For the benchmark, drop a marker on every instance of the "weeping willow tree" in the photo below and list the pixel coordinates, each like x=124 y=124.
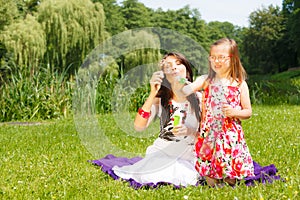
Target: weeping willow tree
x=142 y=47
x=25 y=41
x=73 y=28
x=8 y=12
x=147 y=49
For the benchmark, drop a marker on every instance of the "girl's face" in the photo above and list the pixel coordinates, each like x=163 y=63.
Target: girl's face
x=173 y=69
x=220 y=60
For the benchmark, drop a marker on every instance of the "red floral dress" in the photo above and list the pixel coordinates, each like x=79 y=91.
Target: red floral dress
x=221 y=148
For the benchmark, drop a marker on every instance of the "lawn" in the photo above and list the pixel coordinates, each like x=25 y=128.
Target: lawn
x=48 y=160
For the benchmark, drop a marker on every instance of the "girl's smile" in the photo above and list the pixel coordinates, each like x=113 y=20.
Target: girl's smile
x=220 y=60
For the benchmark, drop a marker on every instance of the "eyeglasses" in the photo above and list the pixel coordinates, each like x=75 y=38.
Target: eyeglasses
x=220 y=58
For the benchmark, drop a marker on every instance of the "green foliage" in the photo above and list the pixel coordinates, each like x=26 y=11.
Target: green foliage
x=282 y=88
x=95 y=84
x=42 y=94
x=8 y=12
x=139 y=97
x=286 y=75
x=185 y=21
x=137 y=15
x=261 y=41
x=291 y=10
x=48 y=160
x=26 y=40
x=144 y=48
x=73 y=28
x=105 y=90
x=114 y=20
x=217 y=30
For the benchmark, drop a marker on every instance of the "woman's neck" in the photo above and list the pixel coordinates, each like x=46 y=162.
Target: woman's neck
x=178 y=96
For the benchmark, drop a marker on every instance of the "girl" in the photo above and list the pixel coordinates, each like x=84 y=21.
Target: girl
x=222 y=152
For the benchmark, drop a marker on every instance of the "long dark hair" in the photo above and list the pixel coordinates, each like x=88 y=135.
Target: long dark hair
x=166 y=94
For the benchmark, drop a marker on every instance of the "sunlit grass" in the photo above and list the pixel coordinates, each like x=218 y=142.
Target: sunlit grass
x=49 y=161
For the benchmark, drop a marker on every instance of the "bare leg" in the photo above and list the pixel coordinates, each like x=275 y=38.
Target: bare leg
x=211 y=181
x=231 y=182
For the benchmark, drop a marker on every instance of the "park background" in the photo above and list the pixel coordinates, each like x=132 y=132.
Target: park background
x=43 y=45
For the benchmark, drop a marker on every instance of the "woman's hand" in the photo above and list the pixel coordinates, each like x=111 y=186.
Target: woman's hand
x=180 y=130
x=183 y=130
x=156 y=80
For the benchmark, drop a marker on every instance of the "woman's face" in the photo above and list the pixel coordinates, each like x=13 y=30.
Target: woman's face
x=173 y=69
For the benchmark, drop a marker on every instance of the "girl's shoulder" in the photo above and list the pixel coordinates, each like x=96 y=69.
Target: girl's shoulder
x=239 y=84
x=243 y=85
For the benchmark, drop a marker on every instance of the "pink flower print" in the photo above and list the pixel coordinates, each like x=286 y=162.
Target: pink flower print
x=215 y=89
x=213 y=104
x=237 y=166
x=219 y=168
x=206 y=151
x=199 y=145
x=235 y=152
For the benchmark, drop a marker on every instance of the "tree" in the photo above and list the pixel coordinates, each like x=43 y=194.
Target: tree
x=8 y=12
x=136 y=14
x=217 y=30
x=291 y=41
x=114 y=20
x=73 y=28
x=185 y=20
x=26 y=41
x=261 y=40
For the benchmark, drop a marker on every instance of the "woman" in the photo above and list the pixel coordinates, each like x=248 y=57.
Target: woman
x=170 y=159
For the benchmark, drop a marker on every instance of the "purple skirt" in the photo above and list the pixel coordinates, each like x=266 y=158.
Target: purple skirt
x=266 y=174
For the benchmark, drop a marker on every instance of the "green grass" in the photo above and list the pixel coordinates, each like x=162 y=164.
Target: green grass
x=277 y=89
x=286 y=75
x=49 y=161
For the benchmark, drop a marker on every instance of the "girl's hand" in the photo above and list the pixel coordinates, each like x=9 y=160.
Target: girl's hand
x=228 y=110
x=156 y=80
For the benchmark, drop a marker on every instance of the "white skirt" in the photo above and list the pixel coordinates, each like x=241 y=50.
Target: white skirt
x=165 y=162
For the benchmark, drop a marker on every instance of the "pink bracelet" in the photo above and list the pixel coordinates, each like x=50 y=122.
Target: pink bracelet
x=144 y=114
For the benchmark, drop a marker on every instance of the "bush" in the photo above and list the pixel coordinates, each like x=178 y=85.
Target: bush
x=282 y=88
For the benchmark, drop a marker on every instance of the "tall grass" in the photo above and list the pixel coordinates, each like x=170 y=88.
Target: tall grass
x=34 y=94
x=49 y=161
x=45 y=94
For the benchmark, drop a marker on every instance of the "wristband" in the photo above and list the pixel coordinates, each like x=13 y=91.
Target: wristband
x=144 y=114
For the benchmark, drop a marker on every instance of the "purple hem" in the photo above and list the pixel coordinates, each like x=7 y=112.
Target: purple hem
x=266 y=174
